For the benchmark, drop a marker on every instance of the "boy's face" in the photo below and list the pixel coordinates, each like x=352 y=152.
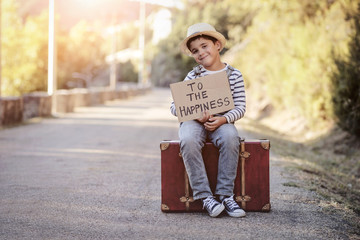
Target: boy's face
x=206 y=53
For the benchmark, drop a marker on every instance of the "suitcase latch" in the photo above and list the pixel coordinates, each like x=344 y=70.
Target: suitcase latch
x=245 y=154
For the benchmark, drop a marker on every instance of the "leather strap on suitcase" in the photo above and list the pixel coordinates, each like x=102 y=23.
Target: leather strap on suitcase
x=243 y=155
x=187 y=199
x=251 y=183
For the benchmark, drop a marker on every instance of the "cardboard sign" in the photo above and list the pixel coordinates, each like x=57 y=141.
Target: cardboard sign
x=211 y=93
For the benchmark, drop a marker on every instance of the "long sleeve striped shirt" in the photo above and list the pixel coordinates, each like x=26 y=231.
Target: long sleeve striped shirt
x=237 y=87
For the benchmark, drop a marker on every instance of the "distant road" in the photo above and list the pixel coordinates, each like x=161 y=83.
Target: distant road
x=95 y=174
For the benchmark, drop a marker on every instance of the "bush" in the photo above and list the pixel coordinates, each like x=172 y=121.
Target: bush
x=346 y=84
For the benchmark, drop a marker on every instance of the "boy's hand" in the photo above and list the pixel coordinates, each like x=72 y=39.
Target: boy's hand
x=205 y=117
x=214 y=122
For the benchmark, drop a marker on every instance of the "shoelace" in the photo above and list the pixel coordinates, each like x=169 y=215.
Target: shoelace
x=209 y=202
x=231 y=203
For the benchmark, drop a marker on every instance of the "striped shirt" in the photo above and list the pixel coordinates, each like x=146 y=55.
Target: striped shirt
x=237 y=87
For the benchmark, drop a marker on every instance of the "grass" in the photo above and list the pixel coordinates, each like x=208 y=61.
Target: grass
x=328 y=163
x=291 y=184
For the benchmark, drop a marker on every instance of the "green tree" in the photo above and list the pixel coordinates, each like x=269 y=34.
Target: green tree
x=288 y=58
x=346 y=83
x=230 y=17
x=80 y=50
x=24 y=49
x=283 y=48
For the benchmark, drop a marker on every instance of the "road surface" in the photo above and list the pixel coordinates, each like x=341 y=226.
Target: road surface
x=95 y=174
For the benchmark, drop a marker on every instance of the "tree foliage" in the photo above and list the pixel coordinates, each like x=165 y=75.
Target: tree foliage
x=81 y=53
x=299 y=56
x=283 y=48
x=24 y=50
x=169 y=65
x=289 y=55
x=346 y=80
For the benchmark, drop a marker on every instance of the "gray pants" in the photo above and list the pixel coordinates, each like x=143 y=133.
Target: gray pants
x=192 y=139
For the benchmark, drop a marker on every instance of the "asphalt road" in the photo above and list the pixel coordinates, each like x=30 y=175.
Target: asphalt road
x=95 y=174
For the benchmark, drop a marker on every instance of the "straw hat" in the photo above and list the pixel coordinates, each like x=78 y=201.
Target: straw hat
x=201 y=29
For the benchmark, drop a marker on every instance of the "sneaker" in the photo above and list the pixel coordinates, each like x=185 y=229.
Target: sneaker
x=232 y=208
x=212 y=206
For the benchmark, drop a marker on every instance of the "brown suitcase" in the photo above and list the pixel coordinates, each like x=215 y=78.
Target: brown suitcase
x=251 y=184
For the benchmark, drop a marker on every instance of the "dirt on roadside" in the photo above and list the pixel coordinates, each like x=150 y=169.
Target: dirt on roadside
x=326 y=162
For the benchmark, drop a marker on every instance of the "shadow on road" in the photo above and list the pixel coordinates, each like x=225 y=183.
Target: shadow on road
x=95 y=173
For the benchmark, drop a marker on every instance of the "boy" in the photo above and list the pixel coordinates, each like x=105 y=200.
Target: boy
x=204 y=44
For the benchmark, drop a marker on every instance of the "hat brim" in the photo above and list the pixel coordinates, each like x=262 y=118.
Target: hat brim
x=217 y=35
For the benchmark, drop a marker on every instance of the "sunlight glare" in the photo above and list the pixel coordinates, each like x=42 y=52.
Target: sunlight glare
x=87 y=3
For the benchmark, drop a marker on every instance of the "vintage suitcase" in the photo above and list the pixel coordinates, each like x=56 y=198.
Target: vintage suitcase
x=251 y=184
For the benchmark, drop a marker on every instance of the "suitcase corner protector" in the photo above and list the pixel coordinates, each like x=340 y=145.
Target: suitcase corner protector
x=265 y=144
x=266 y=208
x=164 y=145
x=164 y=208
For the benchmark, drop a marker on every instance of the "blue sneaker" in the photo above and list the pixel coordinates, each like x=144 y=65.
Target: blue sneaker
x=212 y=206
x=232 y=208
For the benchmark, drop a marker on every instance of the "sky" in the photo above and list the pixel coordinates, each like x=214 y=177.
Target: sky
x=72 y=11
x=106 y=11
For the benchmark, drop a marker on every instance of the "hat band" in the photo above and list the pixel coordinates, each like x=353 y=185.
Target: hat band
x=193 y=34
